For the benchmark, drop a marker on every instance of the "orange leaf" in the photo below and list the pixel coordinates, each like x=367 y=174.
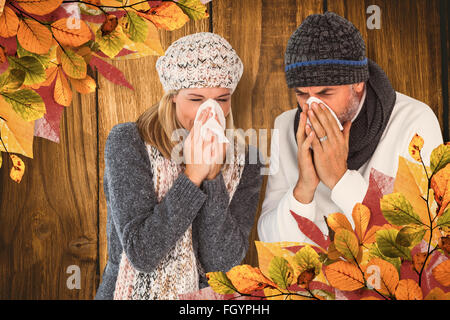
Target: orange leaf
x=34 y=37
x=62 y=93
x=418 y=260
x=408 y=289
x=39 y=7
x=167 y=16
x=50 y=75
x=385 y=278
x=442 y=273
x=9 y=23
x=333 y=253
x=247 y=279
x=361 y=218
x=344 y=276
x=369 y=237
x=440 y=183
x=83 y=86
x=338 y=220
x=2 y=55
x=71 y=32
x=437 y=294
x=18 y=168
x=415 y=146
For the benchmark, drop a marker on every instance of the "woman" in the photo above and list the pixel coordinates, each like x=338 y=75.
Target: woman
x=169 y=222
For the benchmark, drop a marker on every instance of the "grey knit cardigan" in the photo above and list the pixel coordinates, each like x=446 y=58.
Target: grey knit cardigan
x=146 y=230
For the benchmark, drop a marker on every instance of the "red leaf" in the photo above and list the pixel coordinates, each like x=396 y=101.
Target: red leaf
x=10 y=45
x=109 y=72
x=310 y=230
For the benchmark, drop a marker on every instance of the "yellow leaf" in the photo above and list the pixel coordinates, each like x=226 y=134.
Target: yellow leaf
x=415 y=146
x=408 y=289
x=9 y=23
x=385 y=276
x=39 y=7
x=18 y=168
x=112 y=43
x=83 y=86
x=307 y=258
x=17 y=134
x=442 y=273
x=344 y=276
x=338 y=220
x=220 y=283
x=267 y=251
x=167 y=16
x=73 y=64
x=62 y=93
x=142 y=6
x=71 y=32
x=361 y=218
x=247 y=279
x=34 y=37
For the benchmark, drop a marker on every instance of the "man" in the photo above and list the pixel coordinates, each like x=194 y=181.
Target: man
x=321 y=169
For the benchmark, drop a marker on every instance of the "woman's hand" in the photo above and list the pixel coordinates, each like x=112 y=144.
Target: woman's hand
x=218 y=154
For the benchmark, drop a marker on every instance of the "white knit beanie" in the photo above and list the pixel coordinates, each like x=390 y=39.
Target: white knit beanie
x=199 y=60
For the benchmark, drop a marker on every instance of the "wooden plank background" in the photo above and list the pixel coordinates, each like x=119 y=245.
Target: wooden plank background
x=56 y=217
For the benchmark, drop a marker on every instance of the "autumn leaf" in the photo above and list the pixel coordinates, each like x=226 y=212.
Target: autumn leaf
x=386 y=242
x=39 y=7
x=83 y=86
x=34 y=71
x=444 y=244
x=11 y=80
x=281 y=272
x=71 y=32
x=26 y=103
x=50 y=75
x=408 y=289
x=388 y=276
x=361 y=218
x=72 y=64
x=374 y=252
x=43 y=59
x=440 y=183
x=9 y=23
x=418 y=260
x=247 y=279
x=398 y=210
x=344 y=276
x=338 y=220
x=18 y=168
x=167 y=16
x=444 y=219
x=442 y=273
x=333 y=253
x=17 y=133
x=415 y=146
x=34 y=36
x=305 y=278
x=309 y=229
x=437 y=294
x=112 y=43
x=369 y=237
x=109 y=25
x=62 y=93
x=194 y=9
x=220 y=283
x=410 y=235
x=307 y=258
x=347 y=244
x=109 y=72
x=140 y=6
x=440 y=157
x=135 y=27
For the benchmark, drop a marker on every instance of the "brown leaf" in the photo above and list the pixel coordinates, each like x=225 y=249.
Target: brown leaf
x=415 y=146
x=444 y=244
x=306 y=277
x=109 y=25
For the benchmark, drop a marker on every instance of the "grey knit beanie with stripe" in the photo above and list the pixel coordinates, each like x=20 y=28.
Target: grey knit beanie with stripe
x=325 y=50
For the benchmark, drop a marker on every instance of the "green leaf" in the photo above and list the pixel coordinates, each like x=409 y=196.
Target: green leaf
x=389 y=247
x=374 y=252
x=11 y=80
x=194 y=9
x=410 y=235
x=307 y=258
x=44 y=59
x=444 y=219
x=398 y=210
x=26 y=103
x=439 y=158
x=281 y=272
x=34 y=71
x=347 y=244
x=110 y=44
x=220 y=283
x=135 y=27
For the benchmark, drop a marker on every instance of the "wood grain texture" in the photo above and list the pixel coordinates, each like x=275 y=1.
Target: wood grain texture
x=118 y=104
x=407 y=46
x=259 y=32
x=49 y=221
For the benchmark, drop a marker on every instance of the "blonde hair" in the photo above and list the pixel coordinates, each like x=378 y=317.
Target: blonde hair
x=157 y=123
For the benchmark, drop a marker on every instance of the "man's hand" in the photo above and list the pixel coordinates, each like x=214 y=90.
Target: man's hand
x=307 y=179
x=330 y=145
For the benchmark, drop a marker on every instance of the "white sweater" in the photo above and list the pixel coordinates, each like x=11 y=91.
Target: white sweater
x=276 y=223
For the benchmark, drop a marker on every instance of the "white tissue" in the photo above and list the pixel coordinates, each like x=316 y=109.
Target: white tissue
x=218 y=128
x=317 y=100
